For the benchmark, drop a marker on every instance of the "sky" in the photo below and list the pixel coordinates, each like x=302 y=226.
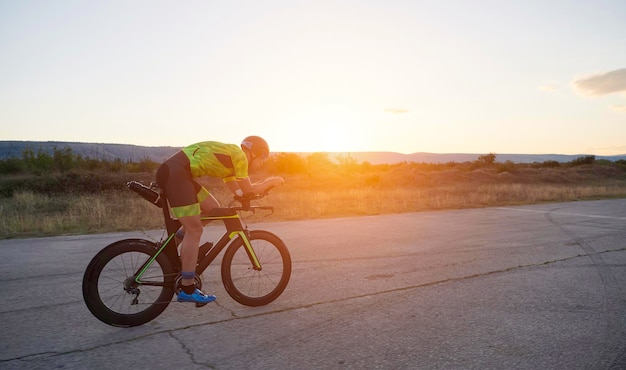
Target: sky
x=440 y=76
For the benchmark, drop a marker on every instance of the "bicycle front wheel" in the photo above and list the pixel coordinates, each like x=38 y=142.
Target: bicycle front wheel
x=111 y=292
x=256 y=287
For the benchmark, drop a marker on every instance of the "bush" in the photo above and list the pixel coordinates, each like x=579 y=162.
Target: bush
x=288 y=163
x=507 y=166
x=11 y=166
x=487 y=159
x=588 y=159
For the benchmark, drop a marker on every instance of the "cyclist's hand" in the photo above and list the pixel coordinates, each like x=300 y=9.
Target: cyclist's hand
x=269 y=183
x=272 y=182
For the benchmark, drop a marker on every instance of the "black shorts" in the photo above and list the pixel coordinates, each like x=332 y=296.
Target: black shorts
x=183 y=193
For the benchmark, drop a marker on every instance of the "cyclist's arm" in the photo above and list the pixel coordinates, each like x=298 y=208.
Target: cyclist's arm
x=246 y=186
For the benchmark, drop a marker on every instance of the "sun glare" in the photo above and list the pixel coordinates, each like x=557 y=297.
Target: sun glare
x=328 y=127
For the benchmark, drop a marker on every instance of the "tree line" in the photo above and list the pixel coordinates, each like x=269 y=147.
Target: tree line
x=64 y=160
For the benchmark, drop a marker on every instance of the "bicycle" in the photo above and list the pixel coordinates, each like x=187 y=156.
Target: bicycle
x=130 y=282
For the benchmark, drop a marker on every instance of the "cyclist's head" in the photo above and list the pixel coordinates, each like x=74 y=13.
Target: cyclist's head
x=257 y=147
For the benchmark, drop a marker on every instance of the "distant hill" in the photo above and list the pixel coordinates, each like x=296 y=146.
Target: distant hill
x=158 y=154
x=390 y=157
x=92 y=150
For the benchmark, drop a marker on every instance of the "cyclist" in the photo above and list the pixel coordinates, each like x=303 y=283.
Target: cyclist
x=188 y=199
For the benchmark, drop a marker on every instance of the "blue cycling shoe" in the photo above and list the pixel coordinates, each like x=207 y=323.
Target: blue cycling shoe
x=196 y=297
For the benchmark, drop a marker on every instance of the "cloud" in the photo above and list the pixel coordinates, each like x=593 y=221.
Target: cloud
x=619 y=108
x=396 y=111
x=602 y=83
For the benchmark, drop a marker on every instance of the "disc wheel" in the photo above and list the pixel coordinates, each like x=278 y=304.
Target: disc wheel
x=111 y=292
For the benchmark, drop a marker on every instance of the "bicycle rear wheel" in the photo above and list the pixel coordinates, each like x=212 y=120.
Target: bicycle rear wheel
x=110 y=290
x=252 y=287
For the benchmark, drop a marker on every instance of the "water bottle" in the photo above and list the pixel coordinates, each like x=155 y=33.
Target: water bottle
x=145 y=192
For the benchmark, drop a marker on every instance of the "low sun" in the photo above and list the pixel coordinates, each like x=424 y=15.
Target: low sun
x=328 y=127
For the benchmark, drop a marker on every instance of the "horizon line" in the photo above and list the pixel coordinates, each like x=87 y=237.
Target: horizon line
x=328 y=152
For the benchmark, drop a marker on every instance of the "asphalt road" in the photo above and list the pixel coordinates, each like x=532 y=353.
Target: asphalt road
x=528 y=287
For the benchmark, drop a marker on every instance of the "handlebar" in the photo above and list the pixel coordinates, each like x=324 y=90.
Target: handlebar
x=245 y=200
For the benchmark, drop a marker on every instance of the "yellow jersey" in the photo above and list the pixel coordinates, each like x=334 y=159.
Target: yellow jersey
x=215 y=159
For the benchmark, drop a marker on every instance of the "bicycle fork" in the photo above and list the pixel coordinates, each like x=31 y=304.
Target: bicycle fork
x=248 y=246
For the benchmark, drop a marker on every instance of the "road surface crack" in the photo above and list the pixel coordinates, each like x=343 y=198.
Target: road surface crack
x=189 y=352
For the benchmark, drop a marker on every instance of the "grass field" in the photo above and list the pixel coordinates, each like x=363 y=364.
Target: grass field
x=323 y=194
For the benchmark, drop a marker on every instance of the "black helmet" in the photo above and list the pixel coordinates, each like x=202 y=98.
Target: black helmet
x=257 y=147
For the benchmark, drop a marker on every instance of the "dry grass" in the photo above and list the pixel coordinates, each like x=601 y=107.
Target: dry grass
x=319 y=196
x=291 y=205
x=30 y=214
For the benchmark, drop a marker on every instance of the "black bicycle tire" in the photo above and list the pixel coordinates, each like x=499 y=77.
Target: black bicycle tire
x=91 y=293
x=227 y=274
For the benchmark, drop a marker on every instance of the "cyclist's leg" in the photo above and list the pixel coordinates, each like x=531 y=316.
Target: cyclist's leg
x=174 y=176
x=189 y=246
x=189 y=259
x=207 y=201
